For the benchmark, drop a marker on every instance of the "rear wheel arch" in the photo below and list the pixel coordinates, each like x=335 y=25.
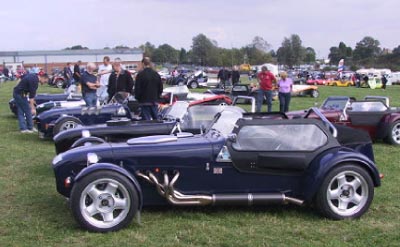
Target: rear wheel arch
x=346 y=191
x=114 y=168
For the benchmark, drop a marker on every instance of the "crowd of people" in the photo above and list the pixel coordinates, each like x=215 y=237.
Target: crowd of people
x=109 y=80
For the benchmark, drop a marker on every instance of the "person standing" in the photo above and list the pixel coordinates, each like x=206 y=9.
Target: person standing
x=68 y=74
x=120 y=80
x=89 y=85
x=6 y=73
x=384 y=81
x=25 y=89
x=265 y=80
x=235 y=75
x=77 y=72
x=285 y=87
x=223 y=77
x=104 y=72
x=148 y=90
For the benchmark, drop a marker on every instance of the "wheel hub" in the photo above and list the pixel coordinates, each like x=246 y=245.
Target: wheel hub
x=105 y=203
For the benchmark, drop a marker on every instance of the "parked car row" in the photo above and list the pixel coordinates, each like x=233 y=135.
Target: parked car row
x=205 y=151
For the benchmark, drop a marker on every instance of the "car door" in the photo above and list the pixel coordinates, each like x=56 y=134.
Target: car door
x=278 y=146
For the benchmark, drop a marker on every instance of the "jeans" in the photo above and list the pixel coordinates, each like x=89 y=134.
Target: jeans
x=260 y=99
x=149 y=112
x=102 y=93
x=90 y=99
x=24 y=112
x=284 y=101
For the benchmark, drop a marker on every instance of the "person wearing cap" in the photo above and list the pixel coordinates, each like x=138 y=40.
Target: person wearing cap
x=148 y=90
x=285 y=87
x=265 y=80
x=104 y=72
x=89 y=85
x=120 y=80
x=26 y=89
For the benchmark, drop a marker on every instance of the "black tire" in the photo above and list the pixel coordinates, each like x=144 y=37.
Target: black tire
x=59 y=83
x=393 y=136
x=193 y=84
x=314 y=93
x=66 y=123
x=81 y=201
x=345 y=192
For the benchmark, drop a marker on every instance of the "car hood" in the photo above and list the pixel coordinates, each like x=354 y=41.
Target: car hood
x=167 y=149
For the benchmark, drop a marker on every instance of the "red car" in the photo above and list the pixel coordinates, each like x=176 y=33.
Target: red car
x=371 y=114
x=316 y=82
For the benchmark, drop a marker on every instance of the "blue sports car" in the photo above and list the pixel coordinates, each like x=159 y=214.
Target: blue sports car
x=241 y=159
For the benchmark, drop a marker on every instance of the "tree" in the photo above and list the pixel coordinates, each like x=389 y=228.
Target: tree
x=366 y=51
x=183 y=56
x=310 y=55
x=77 y=47
x=148 y=49
x=291 y=51
x=121 y=47
x=165 y=53
x=202 y=50
x=340 y=52
x=260 y=44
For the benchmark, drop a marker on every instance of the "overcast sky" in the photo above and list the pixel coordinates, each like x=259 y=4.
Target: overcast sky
x=56 y=24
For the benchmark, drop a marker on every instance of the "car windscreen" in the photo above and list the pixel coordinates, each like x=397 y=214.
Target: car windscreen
x=227 y=120
x=200 y=116
x=177 y=110
x=370 y=106
x=335 y=104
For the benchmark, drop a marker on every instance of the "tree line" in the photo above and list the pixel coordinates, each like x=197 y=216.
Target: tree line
x=206 y=52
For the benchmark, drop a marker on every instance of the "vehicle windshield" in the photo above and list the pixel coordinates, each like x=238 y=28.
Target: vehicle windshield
x=177 y=110
x=226 y=120
x=335 y=104
x=200 y=115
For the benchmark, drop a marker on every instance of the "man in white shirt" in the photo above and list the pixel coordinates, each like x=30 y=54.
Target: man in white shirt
x=104 y=72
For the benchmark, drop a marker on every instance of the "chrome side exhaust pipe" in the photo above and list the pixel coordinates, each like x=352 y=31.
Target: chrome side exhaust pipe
x=174 y=197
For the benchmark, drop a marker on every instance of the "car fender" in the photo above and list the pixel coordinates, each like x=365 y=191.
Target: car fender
x=383 y=128
x=111 y=167
x=66 y=116
x=322 y=166
x=83 y=140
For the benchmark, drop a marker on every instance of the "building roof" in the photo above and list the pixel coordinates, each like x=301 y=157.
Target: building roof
x=71 y=52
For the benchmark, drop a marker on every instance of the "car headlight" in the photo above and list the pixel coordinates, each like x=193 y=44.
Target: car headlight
x=92 y=158
x=86 y=133
x=57 y=159
x=121 y=112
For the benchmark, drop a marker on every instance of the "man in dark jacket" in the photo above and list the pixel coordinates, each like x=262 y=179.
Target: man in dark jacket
x=148 y=90
x=77 y=72
x=223 y=77
x=235 y=75
x=25 y=89
x=68 y=74
x=120 y=80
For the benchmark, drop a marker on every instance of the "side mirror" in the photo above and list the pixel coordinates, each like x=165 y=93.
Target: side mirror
x=232 y=138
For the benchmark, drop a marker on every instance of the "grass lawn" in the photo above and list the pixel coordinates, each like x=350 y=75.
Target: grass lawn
x=34 y=214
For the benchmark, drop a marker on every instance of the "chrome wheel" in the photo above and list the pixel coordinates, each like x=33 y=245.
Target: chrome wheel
x=347 y=193
x=315 y=94
x=104 y=203
x=68 y=125
x=396 y=133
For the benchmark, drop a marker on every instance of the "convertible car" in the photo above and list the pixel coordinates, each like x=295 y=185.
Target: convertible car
x=248 y=90
x=340 y=83
x=242 y=159
x=372 y=114
x=69 y=98
x=52 y=122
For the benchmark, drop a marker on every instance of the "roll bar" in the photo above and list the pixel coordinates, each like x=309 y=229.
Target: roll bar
x=252 y=99
x=328 y=124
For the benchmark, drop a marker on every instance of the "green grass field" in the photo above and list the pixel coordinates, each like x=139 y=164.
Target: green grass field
x=34 y=214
